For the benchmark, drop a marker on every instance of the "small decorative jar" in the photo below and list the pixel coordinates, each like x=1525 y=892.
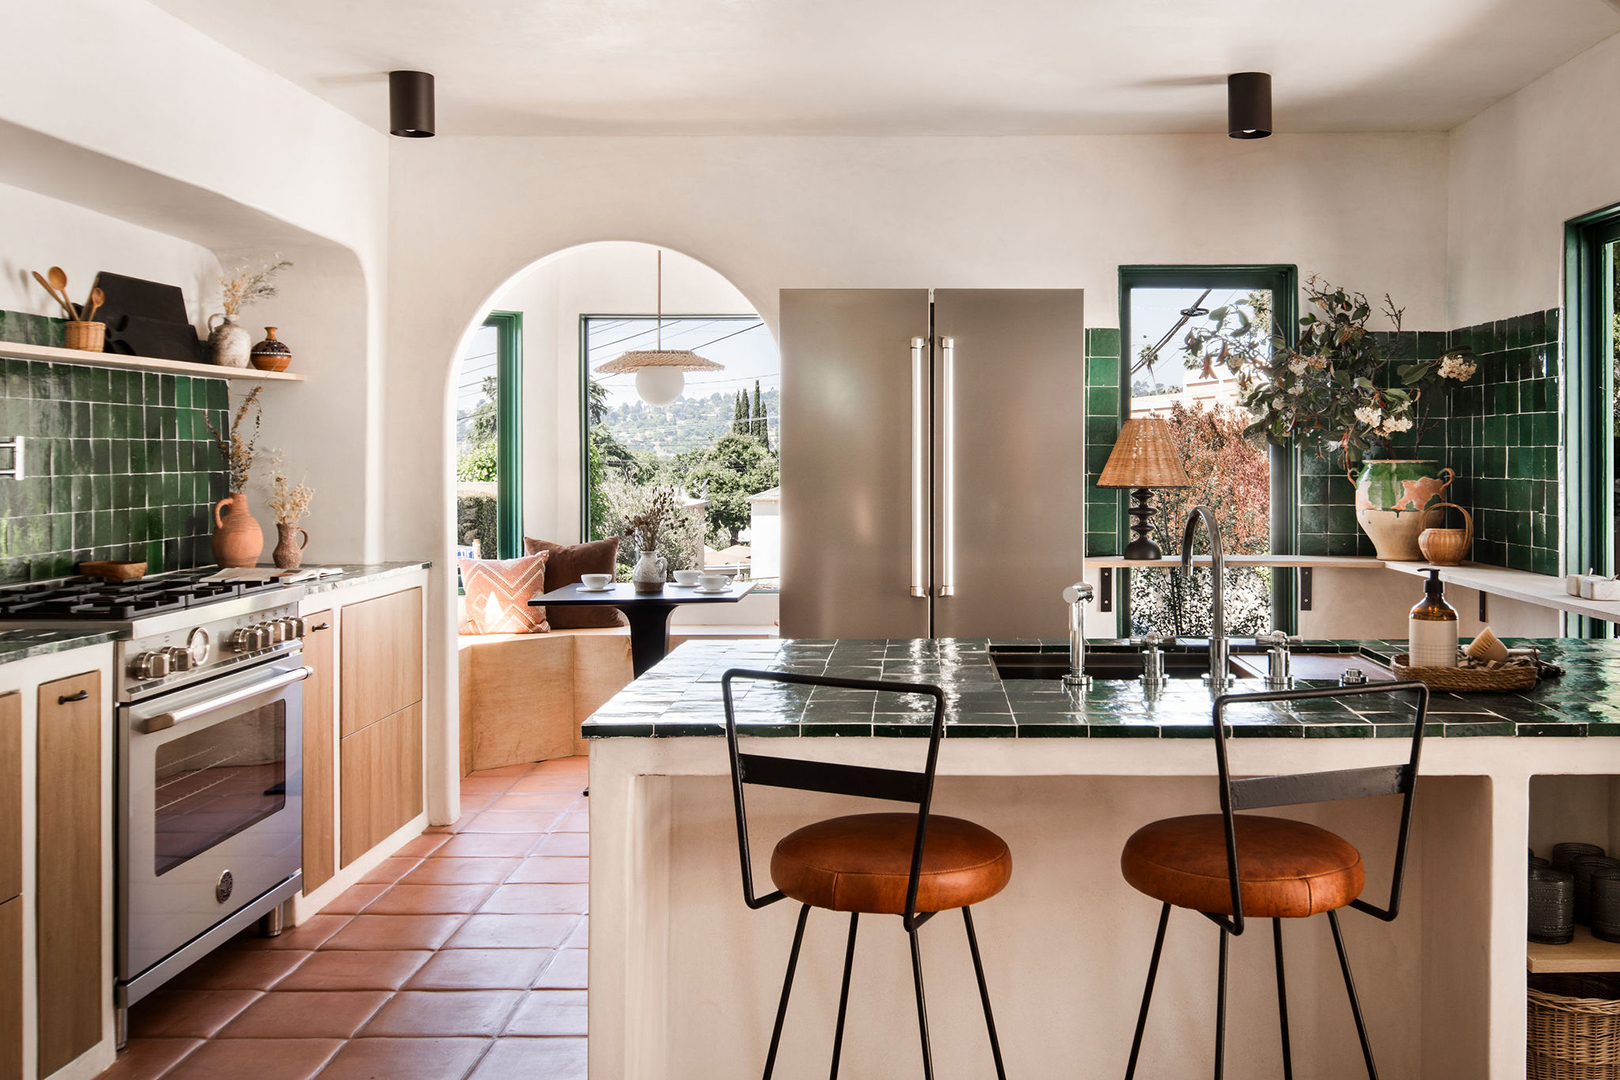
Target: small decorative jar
x=1563 y=855
x=289 y=552
x=1605 y=904
x=1552 y=907
x=1586 y=866
x=229 y=345
x=270 y=354
x=648 y=575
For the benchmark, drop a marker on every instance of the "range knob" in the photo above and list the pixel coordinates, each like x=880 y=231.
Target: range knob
x=244 y=639
x=150 y=665
x=277 y=629
x=295 y=628
x=179 y=658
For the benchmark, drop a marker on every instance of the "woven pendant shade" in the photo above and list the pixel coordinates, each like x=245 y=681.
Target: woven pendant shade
x=1145 y=456
x=684 y=359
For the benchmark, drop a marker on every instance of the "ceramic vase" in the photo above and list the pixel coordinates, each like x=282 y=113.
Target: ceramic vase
x=648 y=575
x=238 y=540
x=229 y=345
x=271 y=354
x=289 y=552
x=1395 y=498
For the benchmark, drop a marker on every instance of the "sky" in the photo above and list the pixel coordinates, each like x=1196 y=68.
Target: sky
x=1153 y=311
x=741 y=343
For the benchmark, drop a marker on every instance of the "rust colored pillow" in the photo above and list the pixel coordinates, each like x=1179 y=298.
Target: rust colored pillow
x=569 y=562
x=498 y=594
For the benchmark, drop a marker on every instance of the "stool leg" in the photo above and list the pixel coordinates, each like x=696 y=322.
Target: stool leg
x=1355 y=1002
x=922 y=1008
x=787 y=988
x=843 y=995
x=1147 y=994
x=1220 y=1009
x=984 y=993
x=1282 y=999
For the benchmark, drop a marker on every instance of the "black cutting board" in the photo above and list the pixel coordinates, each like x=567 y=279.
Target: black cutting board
x=146 y=318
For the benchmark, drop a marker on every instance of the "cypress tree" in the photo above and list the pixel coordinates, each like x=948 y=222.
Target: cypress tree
x=761 y=432
x=739 y=410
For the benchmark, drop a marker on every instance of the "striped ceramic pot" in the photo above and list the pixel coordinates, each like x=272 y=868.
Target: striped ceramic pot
x=1394 y=499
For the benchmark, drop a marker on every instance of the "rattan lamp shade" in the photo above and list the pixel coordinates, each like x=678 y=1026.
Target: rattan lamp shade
x=1145 y=456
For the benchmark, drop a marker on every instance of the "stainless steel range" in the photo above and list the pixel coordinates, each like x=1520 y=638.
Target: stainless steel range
x=209 y=728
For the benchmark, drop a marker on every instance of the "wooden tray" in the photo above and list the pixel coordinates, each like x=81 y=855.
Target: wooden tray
x=1467 y=680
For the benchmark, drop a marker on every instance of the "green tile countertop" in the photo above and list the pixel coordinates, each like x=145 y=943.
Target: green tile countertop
x=681 y=696
x=21 y=644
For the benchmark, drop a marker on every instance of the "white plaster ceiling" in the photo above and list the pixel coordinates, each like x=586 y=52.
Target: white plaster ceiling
x=881 y=67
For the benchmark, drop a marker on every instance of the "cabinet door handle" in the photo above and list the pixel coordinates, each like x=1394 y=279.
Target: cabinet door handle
x=65 y=699
x=919 y=469
x=321 y=626
x=947 y=574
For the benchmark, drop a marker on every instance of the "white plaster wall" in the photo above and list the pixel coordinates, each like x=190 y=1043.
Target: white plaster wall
x=1519 y=170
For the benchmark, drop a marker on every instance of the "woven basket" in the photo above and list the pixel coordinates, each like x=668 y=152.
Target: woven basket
x=1574 y=1028
x=1466 y=680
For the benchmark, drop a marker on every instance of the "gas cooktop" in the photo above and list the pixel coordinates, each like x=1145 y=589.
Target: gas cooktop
x=90 y=600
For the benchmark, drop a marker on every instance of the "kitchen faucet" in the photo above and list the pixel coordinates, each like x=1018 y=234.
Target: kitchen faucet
x=1219 y=678
x=1076 y=596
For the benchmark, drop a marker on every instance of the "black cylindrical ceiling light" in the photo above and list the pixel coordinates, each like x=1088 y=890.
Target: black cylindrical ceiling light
x=410 y=104
x=1248 y=105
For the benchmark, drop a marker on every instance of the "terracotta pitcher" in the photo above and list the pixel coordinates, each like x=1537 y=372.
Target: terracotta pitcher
x=238 y=540
x=289 y=550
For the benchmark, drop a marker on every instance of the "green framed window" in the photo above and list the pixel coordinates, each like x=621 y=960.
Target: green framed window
x=489 y=439
x=1252 y=483
x=1592 y=397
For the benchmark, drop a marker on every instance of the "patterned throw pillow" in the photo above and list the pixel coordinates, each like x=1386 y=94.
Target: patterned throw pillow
x=498 y=594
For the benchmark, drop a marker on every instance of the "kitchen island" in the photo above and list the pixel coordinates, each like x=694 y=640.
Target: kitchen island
x=1065 y=779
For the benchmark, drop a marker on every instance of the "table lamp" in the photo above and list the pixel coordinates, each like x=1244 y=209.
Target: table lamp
x=1143 y=458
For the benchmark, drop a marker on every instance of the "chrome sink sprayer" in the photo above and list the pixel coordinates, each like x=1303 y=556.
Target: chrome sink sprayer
x=1077 y=596
x=1219 y=675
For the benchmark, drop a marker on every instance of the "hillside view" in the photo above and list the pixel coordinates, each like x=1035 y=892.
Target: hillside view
x=686 y=424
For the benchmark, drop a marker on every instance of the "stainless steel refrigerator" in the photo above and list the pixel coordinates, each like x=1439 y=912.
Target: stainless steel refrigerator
x=933 y=461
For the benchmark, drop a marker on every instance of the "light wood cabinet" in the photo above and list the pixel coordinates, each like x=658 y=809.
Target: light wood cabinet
x=11 y=989
x=68 y=839
x=381 y=768
x=11 y=764
x=320 y=752
x=381 y=658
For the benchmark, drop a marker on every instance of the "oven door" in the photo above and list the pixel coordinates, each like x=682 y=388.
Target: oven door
x=211 y=785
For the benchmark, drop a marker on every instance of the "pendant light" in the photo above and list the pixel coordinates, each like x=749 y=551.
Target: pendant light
x=410 y=104
x=1248 y=105
x=658 y=371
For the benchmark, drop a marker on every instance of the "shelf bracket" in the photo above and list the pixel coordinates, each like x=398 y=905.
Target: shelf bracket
x=1105 y=594
x=15 y=470
x=1304 y=588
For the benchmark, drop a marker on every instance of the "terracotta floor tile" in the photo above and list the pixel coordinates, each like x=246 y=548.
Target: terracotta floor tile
x=307 y=935
x=549 y=783
x=414 y=1014
x=567 y=843
x=389 y=871
x=148 y=1059
x=239 y=969
x=566 y=971
x=513 y=932
x=481 y=969
x=514 y=823
x=533 y=1059
x=374 y=969
x=533 y=804
x=451 y=870
x=354 y=899
x=288 y=1014
x=430 y=899
x=520 y=769
x=256 y=1059
x=578 y=821
x=422 y=846
x=487 y=845
x=479 y=784
x=550 y=868
x=549 y=1012
x=533 y=899
x=574 y=766
x=407 y=1059
x=395 y=932
x=187 y=1014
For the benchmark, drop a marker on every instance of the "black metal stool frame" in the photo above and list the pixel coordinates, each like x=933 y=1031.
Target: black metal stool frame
x=837 y=779
x=1293 y=789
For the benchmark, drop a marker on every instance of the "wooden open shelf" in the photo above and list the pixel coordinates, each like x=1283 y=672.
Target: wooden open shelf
x=1585 y=954
x=53 y=355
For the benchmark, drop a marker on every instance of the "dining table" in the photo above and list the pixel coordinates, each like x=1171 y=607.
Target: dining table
x=648 y=612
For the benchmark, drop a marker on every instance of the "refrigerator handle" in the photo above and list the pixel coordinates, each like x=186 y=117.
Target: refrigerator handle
x=947 y=575
x=919 y=469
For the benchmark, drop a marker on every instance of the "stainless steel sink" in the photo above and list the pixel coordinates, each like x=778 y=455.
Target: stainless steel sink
x=1116 y=666
x=1320 y=667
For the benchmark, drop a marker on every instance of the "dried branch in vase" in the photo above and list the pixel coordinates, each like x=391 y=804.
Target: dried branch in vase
x=246 y=285
x=647 y=525
x=288 y=501
x=238 y=449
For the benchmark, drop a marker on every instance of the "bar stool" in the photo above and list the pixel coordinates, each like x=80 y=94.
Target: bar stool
x=905 y=864
x=1225 y=866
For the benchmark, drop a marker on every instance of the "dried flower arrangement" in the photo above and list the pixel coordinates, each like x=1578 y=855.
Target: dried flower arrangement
x=288 y=501
x=246 y=285
x=239 y=451
x=647 y=525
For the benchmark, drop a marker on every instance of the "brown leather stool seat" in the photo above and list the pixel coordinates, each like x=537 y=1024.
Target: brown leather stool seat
x=1286 y=869
x=862 y=863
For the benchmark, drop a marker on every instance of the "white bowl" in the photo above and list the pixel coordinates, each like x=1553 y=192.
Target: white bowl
x=688 y=577
x=596 y=582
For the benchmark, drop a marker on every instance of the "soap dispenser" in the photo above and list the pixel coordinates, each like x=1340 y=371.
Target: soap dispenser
x=1432 y=628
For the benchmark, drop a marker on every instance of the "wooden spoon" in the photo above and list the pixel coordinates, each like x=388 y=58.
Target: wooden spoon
x=55 y=295
x=97 y=298
x=59 y=283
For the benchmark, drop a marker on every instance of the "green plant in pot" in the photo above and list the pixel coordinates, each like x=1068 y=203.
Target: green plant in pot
x=1339 y=389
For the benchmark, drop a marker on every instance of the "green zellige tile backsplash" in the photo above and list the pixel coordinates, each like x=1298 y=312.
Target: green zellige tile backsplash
x=119 y=465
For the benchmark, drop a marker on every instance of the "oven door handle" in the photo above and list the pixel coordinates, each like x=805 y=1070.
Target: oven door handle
x=164 y=721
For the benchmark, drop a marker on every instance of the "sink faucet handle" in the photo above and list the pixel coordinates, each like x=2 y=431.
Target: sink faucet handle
x=1078 y=593
x=1280 y=637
